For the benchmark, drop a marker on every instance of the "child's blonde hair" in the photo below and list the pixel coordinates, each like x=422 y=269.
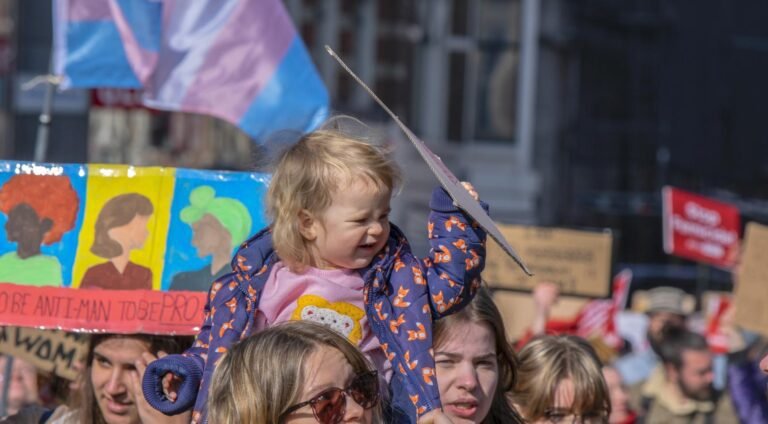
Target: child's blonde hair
x=263 y=375
x=306 y=176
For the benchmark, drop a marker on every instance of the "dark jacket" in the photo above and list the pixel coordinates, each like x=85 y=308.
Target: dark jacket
x=747 y=386
x=402 y=296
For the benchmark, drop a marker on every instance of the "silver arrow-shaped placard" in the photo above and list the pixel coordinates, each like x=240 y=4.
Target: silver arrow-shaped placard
x=458 y=193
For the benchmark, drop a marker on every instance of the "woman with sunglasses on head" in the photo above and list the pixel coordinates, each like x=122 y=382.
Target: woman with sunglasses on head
x=560 y=381
x=296 y=372
x=475 y=364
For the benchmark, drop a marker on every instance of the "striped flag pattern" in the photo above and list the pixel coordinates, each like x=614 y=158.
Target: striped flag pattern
x=598 y=317
x=239 y=60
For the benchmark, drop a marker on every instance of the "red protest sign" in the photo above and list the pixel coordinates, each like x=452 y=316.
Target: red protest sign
x=114 y=311
x=117 y=98
x=699 y=228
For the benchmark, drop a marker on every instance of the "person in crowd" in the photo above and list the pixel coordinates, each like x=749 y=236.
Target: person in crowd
x=476 y=367
x=560 y=380
x=22 y=388
x=684 y=392
x=594 y=322
x=295 y=372
x=331 y=256
x=746 y=384
x=666 y=308
x=620 y=410
x=110 y=390
x=120 y=228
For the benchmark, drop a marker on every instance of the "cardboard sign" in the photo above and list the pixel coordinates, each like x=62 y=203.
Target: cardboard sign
x=751 y=293
x=91 y=229
x=49 y=350
x=578 y=261
x=458 y=193
x=699 y=228
x=517 y=310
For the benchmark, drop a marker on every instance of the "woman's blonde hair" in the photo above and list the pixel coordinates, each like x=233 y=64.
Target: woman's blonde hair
x=545 y=362
x=263 y=375
x=306 y=176
x=481 y=310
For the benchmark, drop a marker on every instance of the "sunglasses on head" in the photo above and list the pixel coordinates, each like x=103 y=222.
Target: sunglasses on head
x=330 y=406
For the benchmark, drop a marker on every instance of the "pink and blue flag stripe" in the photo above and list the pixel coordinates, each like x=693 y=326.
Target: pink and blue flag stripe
x=88 y=49
x=240 y=60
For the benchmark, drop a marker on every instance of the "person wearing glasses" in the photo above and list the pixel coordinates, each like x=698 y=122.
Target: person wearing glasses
x=295 y=372
x=560 y=381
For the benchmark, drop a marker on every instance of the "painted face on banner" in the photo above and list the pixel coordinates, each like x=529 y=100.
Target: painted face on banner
x=131 y=235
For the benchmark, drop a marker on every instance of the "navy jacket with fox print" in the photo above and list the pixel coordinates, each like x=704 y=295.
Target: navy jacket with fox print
x=402 y=296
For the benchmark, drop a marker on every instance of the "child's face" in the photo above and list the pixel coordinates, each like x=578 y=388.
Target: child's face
x=353 y=229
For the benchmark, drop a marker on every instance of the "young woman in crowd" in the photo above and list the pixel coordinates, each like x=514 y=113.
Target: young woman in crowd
x=476 y=367
x=110 y=390
x=620 y=410
x=296 y=372
x=570 y=366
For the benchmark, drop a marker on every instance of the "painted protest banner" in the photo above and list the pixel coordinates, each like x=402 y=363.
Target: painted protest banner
x=750 y=294
x=48 y=350
x=85 y=245
x=578 y=261
x=699 y=228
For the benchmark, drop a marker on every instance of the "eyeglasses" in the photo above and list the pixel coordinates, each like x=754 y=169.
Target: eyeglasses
x=557 y=417
x=330 y=406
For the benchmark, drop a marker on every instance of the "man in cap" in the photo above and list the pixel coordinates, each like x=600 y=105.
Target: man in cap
x=666 y=308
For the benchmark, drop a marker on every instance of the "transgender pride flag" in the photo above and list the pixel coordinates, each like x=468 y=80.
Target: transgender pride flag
x=240 y=60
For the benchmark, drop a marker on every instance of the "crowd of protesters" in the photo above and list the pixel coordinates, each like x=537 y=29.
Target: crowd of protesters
x=427 y=343
x=301 y=371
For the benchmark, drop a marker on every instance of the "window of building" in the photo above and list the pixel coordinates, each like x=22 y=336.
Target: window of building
x=483 y=59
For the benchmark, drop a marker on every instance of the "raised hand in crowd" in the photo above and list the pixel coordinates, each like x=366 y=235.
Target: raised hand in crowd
x=545 y=295
x=148 y=414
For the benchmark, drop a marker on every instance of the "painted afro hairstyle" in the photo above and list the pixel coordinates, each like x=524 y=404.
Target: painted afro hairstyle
x=51 y=196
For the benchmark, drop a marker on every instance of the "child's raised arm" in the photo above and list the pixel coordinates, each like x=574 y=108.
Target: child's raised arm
x=224 y=321
x=457 y=254
x=406 y=301
x=186 y=370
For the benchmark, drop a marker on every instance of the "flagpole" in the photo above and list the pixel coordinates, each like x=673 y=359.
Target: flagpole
x=7 y=376
x=43 y=128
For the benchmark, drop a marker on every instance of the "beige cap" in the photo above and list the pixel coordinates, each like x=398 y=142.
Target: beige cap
x=668 y=299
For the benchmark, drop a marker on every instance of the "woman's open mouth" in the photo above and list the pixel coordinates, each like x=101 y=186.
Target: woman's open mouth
x=465 y=409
